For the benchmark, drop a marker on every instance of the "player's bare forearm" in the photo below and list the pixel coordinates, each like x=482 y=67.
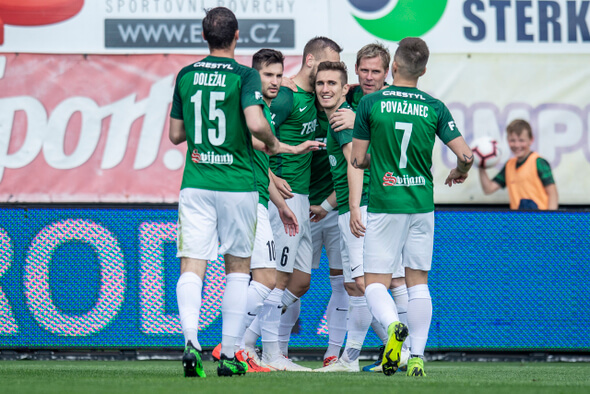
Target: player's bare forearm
x=177 y=133
x=355 y=178
x=488 y=186
x=553 y=197
x=281 y=185
x=260 y=128
x=301 y=149
x=463 y=153
x=359 y=157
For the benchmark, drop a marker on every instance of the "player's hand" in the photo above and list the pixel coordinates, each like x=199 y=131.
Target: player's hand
x=342 y=119
x=357 y=228
x=317 y=213
x=288 y=83
x=455 y=176
x=289 y=221
x=307 y=146
x=283 y=188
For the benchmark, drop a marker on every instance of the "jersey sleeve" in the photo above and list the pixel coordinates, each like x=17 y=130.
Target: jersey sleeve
x=362 y=130
x=446 y=128
x=176 y=111
x=282 y=105
x=544 y=171
x=251 y=88
x=500 y=179
x=342 y=137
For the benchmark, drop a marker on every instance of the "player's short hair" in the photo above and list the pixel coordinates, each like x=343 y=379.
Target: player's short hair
x=219 y=27
x=370 y=51
x=266 y=57
x=317 y=45
x=335 y=66
x=411 y=56
x=519 y=126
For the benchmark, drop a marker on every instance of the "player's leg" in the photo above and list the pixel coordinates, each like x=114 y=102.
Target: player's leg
x=417 y=259
x=237 y=217
x=384 y=238
x=359 y=316
x=196 y=245
x=337 y=309
x=286 y=250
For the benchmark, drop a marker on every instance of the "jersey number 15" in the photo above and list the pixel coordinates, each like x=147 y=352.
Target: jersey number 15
x=216 y=138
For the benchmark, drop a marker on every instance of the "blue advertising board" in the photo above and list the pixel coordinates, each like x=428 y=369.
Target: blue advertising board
x=105 y=277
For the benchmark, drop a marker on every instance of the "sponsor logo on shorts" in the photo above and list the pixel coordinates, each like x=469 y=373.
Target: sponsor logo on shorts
x=211 y=158
x=389 y=179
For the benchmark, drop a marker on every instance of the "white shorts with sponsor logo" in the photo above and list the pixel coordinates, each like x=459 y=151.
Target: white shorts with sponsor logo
x=213 y=222
x=293 y=252
x=352 y=247
x=390 y=235
x=264 y=253
x=326 y=233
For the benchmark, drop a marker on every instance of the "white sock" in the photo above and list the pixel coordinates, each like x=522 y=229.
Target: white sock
x=257 y=293
x=381 y=304
x=269 y=318
x=288 y=320
x=359 y=321
x=289 y=298
x=380 y=331
x=188 y=296
x=337 y=314
x=253 y=332
x=233 y=309
x=419 y=317
x=400 y=297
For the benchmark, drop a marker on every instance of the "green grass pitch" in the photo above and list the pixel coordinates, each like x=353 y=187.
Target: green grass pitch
x=166 y=377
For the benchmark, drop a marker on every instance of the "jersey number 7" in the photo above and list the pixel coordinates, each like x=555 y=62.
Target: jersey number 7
x=407 y=129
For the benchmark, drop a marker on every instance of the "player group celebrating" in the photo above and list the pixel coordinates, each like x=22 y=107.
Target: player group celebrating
x=275 y=173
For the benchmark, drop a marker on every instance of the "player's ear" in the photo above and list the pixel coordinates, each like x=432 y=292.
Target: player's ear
x=237 y=35
x=309 y=60
x=345 y=89
x=423 y=71
x=356 y=69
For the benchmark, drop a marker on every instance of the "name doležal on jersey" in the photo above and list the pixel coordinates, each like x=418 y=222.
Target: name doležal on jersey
x=211 y=158
x=207 y=79
x=389 y=179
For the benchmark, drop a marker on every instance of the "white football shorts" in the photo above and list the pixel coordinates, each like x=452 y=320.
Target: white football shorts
x=352 y=247
x=212 y=222
x=326 y=233
x=264 y=254
x=293 y=252
x=390 y=235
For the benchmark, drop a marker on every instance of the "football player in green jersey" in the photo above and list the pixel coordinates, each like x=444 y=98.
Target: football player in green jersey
x=295 y=119
x=331 y=88
x=217 y=103
x=401 y=123
x=262 y=300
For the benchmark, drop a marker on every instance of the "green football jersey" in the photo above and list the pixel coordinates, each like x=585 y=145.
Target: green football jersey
x=339 y=166
x=401 y=124
x=321 y=184
x=295 y=119
x=209 y=96
x=261 y=165
x=354 y=96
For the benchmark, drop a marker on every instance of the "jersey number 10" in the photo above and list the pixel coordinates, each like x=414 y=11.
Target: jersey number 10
x=216 y=138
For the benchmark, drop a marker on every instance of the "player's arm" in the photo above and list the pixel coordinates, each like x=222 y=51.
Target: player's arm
x=488 y=186
x=355 y=192
x=318 y=212
x=342 y=119
x=287 y=216
x=464 y=161
x=282 y=186
x=359 y=157
x=259 y=127
x=553 y=197
x=177 y=133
